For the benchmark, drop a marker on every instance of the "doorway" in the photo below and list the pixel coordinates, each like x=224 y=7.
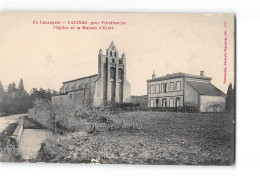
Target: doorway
x=164 y=102
x=157 y=102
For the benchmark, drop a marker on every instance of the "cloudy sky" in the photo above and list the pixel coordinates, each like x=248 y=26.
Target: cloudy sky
x=167 y=43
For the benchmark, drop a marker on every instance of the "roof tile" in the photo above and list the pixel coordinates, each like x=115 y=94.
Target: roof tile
x=206 y=88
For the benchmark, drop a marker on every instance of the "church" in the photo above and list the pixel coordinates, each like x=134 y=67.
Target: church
x=108 y=86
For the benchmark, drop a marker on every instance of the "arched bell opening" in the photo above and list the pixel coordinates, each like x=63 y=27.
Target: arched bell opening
x=113 y=83
x=121 y=84
x=105 y=81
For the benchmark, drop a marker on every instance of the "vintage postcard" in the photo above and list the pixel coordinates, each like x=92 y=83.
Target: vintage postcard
x=117 y=88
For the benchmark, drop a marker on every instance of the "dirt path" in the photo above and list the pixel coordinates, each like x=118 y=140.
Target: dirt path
x=8 y=125
x=7 y=120
x=30 y=142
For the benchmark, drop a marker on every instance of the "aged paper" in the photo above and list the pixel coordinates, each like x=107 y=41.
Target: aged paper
x=117 y=88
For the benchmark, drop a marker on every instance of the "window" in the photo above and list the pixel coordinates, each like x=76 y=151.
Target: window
x=172 y=86
x=70 y=96
x=171 y=102
x=178 y=101
x=111 y=53
x=120 y=73
x=151 y=103
x=152 y=89
x=113 y=60
x=121 y=61
x=164 y=87
x=115 y=54
x=178 y=86
x=112 y=72
x=157 y=88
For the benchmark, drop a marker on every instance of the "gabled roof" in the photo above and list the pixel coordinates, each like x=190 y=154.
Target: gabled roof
x=178 y=75
x=206 y=88
x=112 y=45
x=81 y=78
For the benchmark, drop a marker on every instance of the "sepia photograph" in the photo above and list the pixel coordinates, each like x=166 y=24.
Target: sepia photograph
x=117 y=88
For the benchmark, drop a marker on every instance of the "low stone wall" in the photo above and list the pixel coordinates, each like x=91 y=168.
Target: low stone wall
x=18 y=132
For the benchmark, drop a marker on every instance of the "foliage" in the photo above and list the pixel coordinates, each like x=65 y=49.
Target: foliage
x=42 y=105
x=165 y=138
x=42 y=113
x=9 y=151
x=230 y=99
x=141 y=100
x=17 y=100
x=42 y=94
x=20 y=88
x=2 y=91
x=68 y=117
x=13 y=102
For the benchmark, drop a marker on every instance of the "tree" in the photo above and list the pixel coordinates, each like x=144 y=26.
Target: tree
x=11 y=90
x=2 y=94
x=11 y=87
x=1 y=88
x=230 y=99
x=16 y=100
x=20 y=88
x=44 y=94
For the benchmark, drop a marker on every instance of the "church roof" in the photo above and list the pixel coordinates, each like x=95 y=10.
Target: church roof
x=81 y=78
x=178 y=75
x=206 y=88
x=112 y=44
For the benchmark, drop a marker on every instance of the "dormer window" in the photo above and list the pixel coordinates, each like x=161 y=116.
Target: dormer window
x=113 y=47
x=120 y=61
x=111 y=53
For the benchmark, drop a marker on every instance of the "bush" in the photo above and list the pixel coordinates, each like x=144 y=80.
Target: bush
x=9 y=151
x=71 y=118
x=42 y=113
x=79 y=118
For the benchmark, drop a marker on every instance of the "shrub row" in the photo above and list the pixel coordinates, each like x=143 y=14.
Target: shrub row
x=188 y=109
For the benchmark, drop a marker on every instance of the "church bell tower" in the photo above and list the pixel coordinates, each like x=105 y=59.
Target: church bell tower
x=111 y=68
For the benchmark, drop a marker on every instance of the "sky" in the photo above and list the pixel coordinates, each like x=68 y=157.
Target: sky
x=165 y=43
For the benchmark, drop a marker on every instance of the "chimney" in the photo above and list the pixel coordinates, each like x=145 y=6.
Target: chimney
x=201 y=73
x=154 y=75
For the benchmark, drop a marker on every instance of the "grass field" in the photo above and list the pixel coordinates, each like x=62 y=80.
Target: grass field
x=161 y=138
